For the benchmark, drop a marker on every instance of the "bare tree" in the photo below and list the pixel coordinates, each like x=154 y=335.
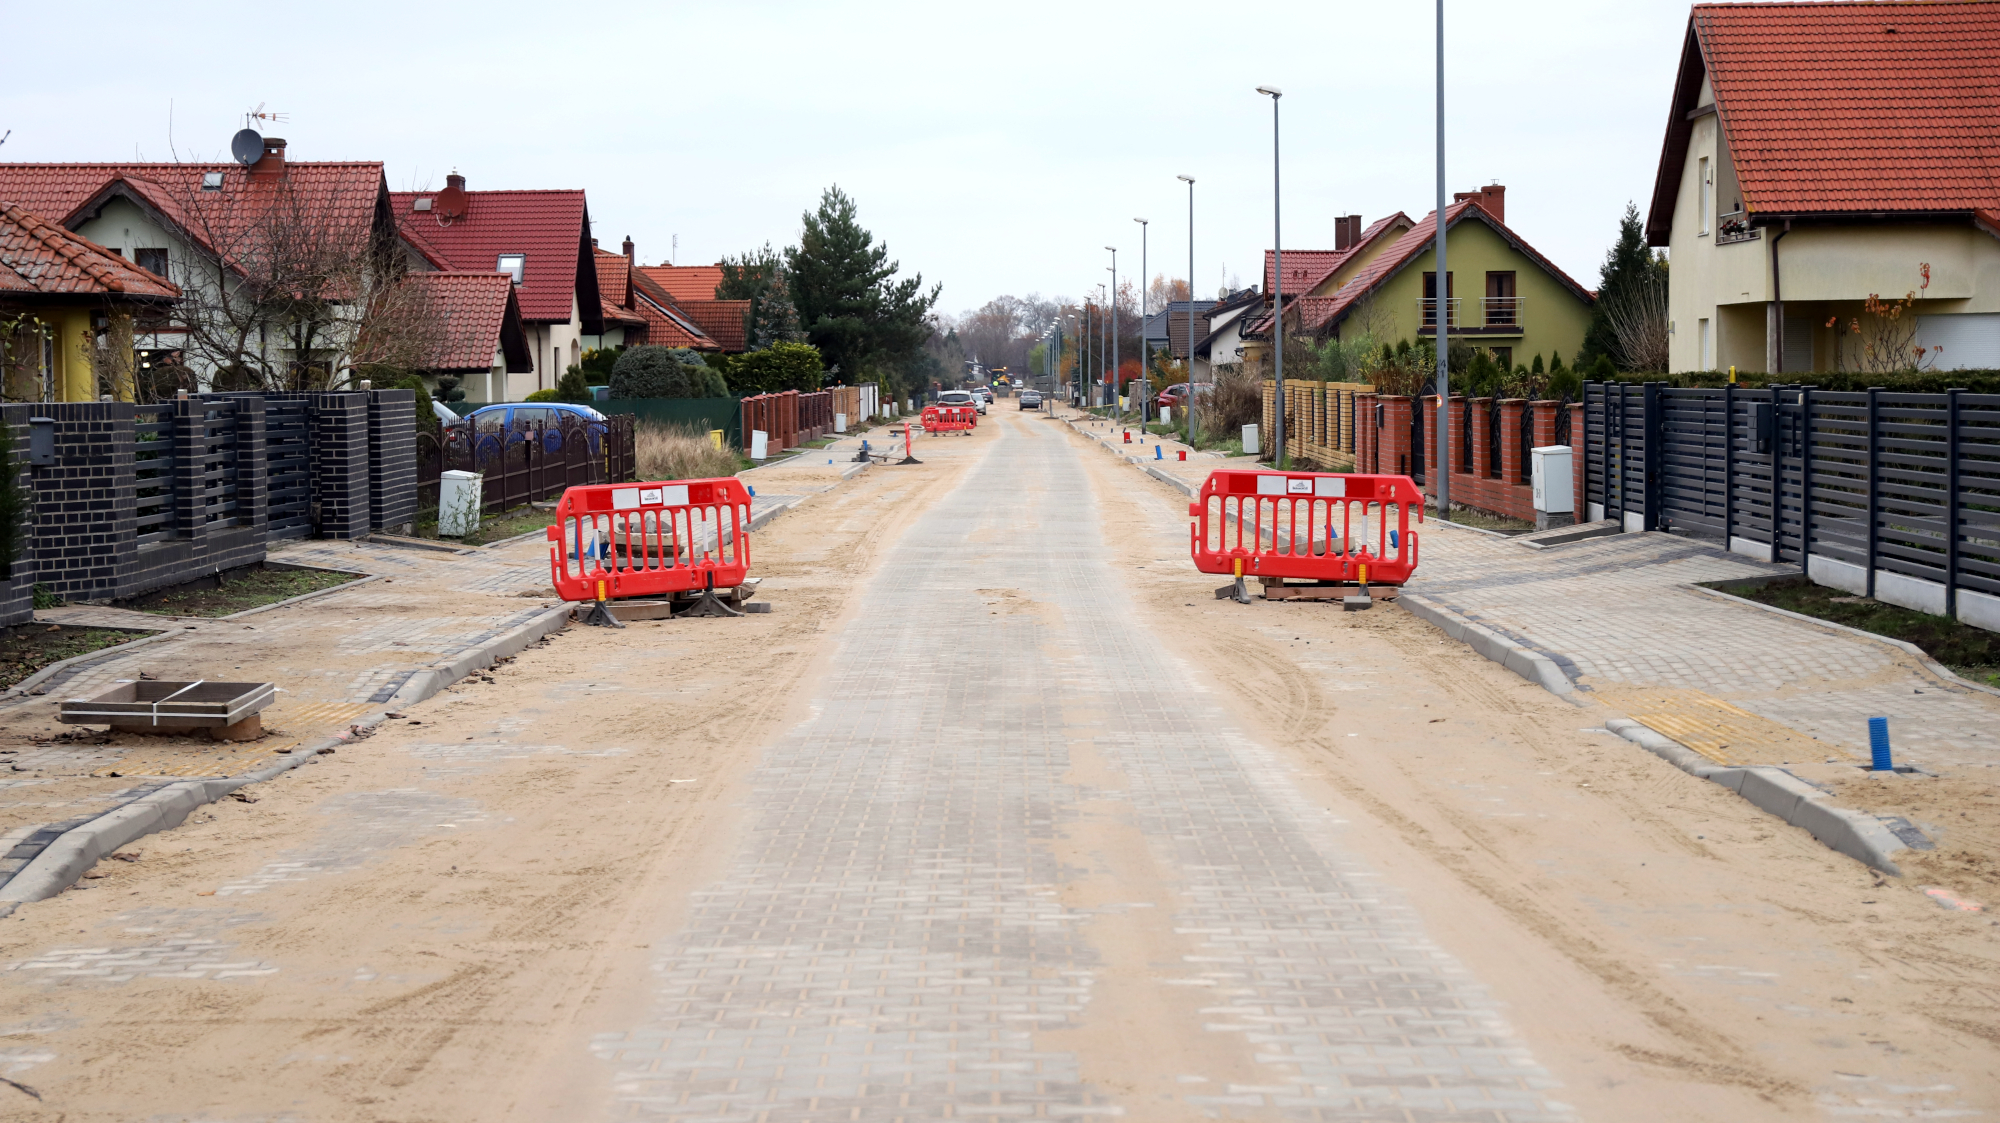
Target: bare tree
x=285 y=289
x=1638 y=319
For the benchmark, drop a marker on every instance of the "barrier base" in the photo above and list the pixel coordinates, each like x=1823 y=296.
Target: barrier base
x=1326 y=592
x=706 y=603
x=598 y=615
x=1237 y=592
x=909 y=460
x=1356 y=604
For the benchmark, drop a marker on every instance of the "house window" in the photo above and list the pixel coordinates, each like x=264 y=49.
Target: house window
x=152 y=261
x=1430 y=300
x=514 y=265
x=1707 y=354
x=1705 y=186
x=1501 y=303
x=211 y=181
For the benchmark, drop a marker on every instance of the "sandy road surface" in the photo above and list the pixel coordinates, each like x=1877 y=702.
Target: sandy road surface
x=997 y=815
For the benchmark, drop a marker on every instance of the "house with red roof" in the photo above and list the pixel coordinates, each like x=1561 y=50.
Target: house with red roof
x=1820 y=154
x=63 y=300
x=540 y=239
x=480 y=337
x=646 y=313
x=1516 y=302
x=693 y=289
x=204 y=225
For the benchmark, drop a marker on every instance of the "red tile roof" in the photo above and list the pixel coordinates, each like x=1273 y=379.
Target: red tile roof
x=39 y=257
x=476 y=309
x=1844 y=107
x=1302 y=267
x=666 y=324
x=347 y=194
x=721 y=320
x=1317 y=313
x=686 y=282
x=613 y=277
x=551 y=227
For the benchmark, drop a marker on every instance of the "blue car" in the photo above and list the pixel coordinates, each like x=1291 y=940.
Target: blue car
x=516 y=419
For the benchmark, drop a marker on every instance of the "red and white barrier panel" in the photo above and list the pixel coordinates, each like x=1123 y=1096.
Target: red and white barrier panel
x=1315 y=526
x=650 y=539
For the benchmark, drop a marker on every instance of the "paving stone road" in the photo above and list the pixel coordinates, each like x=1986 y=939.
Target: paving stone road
x=900 y=936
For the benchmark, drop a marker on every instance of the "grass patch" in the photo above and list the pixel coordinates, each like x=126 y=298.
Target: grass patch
x=676 y=452
x=1971 y=653
x=27 y=648
x=241 y=590
x=492 y=528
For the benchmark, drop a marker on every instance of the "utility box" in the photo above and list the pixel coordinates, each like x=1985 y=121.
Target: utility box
x=1555 y=487
x=460 y=497
x=1250 y=445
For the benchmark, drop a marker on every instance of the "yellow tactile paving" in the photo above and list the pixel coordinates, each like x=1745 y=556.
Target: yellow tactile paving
x=1717 y=730
x=292 y=726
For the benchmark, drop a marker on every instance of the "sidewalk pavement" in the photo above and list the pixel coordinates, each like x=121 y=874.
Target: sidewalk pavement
x=1623 y=619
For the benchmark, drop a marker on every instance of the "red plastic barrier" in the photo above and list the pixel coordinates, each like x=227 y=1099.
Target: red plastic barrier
x=650 y=539
x=950 y=419
x=1323 y=526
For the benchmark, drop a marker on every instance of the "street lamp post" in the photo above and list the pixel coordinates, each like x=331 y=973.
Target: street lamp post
x=1114 y=329
x=1189 y=359
x=1145 y=349
x=1442 y=295
x=1277 y=283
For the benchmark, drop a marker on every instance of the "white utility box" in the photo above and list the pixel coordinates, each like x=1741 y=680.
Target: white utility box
x=759 y=442
x=459 y=499
x=1251 y=447
x=840 y=423
x=1555 y=487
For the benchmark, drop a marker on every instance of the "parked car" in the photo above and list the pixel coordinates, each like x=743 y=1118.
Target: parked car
x=960 y=398
x=513 y=420
x=1031 y=399
x=1176 y=396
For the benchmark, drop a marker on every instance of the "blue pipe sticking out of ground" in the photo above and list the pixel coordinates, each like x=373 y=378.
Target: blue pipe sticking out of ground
x=1878 y=744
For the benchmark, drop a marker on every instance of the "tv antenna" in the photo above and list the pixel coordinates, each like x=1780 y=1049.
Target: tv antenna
x=5 y=135
x=259 y=114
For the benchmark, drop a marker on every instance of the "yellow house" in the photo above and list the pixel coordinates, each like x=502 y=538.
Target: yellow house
x=67 y=307
x=1818 y=156
x=1514 y=302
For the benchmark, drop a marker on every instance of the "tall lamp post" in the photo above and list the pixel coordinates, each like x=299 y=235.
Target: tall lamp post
x=1145 y=348
x=1442 y=295
x=1189 y=360
x=1277 y=281
x=1113 y=379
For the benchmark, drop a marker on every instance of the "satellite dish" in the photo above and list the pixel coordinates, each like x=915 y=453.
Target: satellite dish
x=247 y=146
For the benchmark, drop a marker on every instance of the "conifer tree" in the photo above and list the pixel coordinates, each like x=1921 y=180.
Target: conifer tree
x=777 y=316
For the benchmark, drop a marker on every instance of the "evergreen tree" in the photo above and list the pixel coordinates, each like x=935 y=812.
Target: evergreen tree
x=745 y=277
x=571 y=387
x=777 y=318
x=1536 y=368
x=849 y=301
x=1628 y=262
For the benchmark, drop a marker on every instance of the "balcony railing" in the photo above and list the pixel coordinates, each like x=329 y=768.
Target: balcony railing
x=1495 y=312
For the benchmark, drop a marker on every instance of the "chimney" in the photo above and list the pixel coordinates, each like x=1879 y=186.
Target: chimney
x=272 y=161
x=1346 y=232
x=452 y=180
x=1491 y=198
x=630 y=251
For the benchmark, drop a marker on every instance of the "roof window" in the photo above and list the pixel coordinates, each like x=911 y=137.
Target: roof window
x=512 y=264
x=211 y=181
x=422 y=204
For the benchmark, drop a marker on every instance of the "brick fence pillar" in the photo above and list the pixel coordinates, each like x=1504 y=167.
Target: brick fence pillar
x=1579 y=442
x=1482 y=432
x=1513 y=458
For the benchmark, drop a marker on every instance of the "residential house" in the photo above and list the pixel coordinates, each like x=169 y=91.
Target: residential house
x=693 y=289
x=541 y=239
x=65 y=301
x=481 y=337
x=1818 y=155
x=204 y=226
x=623 y=325
x=1167 y=329
x=1387 y=290
x=1223 y=343
x=1311 y=275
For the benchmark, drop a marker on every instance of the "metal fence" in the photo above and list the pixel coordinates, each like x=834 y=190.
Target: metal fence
x=534 y=461
x=1885 y=482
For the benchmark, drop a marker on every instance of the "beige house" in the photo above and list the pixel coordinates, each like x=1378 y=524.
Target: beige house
x=1818 y=156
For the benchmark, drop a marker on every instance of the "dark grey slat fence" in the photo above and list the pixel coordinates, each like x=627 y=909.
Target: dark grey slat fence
x=1888 y=483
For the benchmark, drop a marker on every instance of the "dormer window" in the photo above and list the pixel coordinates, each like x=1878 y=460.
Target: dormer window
x=211 y=181
x=513 y=264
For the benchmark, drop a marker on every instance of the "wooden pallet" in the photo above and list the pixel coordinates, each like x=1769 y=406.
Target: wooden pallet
x=1328 y=592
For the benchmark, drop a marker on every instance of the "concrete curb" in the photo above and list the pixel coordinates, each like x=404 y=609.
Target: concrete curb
x=1531 y=665
x=66 y=859
x=1856 y=834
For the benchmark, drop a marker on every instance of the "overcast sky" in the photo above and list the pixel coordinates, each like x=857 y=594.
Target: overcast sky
x=996 y=148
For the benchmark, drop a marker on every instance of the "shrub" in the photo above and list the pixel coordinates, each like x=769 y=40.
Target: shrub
x=572 y=388
x=545 y=395
x=1236 y=401
x=677 y=452
x=779 y=367
x=664 y=372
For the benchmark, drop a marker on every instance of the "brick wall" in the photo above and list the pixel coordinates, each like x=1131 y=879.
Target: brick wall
x=392 y=458
x=340 y=463
x=1385 y=448
x=17 y=590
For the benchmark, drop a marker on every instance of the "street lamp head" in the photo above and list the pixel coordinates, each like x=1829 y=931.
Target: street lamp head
x=1271 y=91
x=1140 y=221
x=1113 y=249
x=1187 y=179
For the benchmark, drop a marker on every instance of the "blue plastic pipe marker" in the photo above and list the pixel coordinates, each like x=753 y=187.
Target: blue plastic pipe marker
x=1156 y=453
x=1878 y=744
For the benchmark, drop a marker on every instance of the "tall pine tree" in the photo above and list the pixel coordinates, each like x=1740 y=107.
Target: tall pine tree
x=850 y=303
x=1628 y=263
